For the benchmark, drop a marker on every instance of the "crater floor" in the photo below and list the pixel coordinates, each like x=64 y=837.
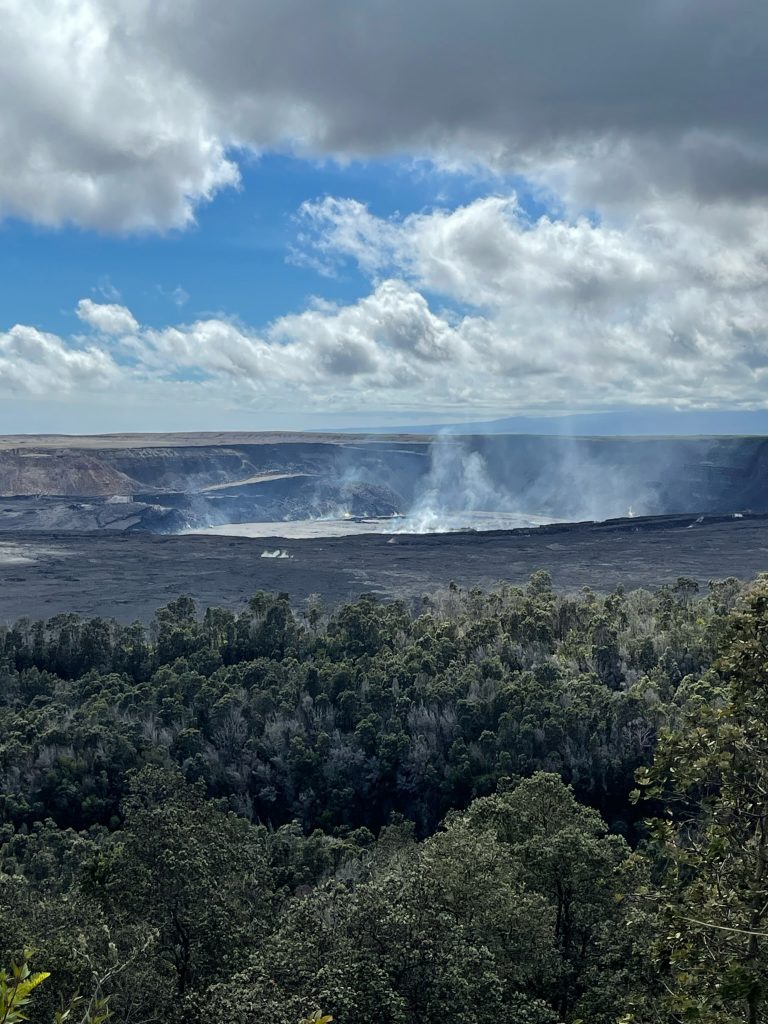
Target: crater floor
x=128 y=576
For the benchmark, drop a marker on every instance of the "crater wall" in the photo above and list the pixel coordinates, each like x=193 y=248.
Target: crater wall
x=167 y=483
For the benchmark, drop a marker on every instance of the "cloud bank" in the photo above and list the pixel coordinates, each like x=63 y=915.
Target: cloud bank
x=125 y=114
x=477 y=308
x=641 y=126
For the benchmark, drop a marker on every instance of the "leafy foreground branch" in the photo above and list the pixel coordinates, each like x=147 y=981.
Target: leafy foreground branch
x=17 y=986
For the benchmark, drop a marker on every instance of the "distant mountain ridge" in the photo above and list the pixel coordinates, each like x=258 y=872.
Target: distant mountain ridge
x=632 y=423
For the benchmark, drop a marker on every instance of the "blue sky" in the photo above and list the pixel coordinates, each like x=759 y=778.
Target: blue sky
x=234 y=261
x=293 y=217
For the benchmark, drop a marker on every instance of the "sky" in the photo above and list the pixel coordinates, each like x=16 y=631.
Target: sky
x=279 y=214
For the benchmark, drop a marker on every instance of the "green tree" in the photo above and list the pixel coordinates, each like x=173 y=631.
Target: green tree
x=564 y=854
x=711 y=770
x=195 y=874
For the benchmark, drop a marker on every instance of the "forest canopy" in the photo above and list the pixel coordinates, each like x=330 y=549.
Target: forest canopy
x=509 y=805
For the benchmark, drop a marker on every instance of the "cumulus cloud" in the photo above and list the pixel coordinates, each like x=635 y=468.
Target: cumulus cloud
x=123 y=114
x=489 y=255
x=35 y=363
x=643 y=125
x=94 y=130
x=384 y=341
x=671 y=307
x=477 y=309
x=107 y=317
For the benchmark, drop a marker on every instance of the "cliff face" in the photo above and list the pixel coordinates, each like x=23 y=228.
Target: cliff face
x=106 y=471
x=94 y=472
x=59 y=472
x=567 y=478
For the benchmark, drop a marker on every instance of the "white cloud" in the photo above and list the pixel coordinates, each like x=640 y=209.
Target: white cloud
x=125 y=114
x=106 y=289
x=107 y=317
x=94 y=128
x=673 y=307
x=35 y=363
x=471 y=310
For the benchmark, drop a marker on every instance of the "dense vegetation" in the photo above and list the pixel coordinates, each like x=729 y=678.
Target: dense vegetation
x=388 y=814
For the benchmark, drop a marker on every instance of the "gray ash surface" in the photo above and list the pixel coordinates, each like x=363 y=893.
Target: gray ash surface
x=128 y=575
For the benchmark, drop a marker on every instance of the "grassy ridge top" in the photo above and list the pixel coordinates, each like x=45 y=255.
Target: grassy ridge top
x=224 y=438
